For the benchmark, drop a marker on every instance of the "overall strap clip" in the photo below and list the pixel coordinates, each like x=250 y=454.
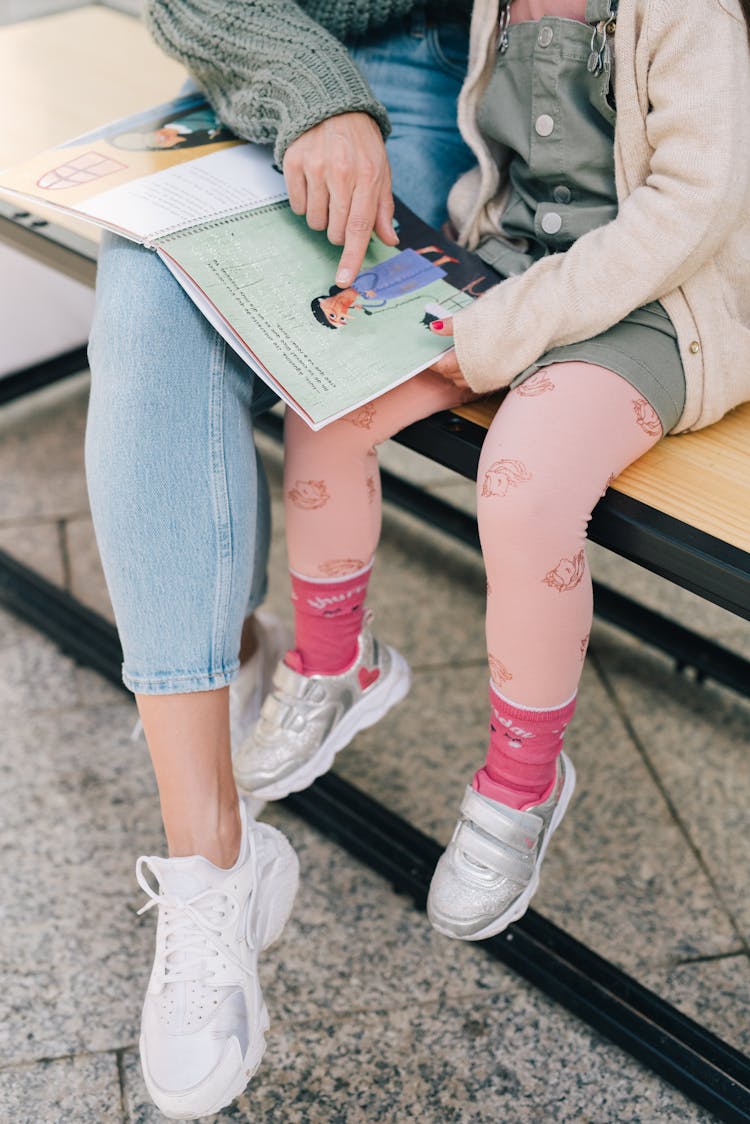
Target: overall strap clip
x=603 y=16
x=503 y=20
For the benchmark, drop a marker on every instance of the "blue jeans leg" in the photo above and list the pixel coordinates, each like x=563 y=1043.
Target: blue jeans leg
x=177 y=495
x=178 y=500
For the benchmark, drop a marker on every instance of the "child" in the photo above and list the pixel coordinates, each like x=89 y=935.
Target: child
x=615 y=200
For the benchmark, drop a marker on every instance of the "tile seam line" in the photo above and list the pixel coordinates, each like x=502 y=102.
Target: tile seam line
x=711 y=958
x=71 y=1055
x=670 y=805
x=120 y=1063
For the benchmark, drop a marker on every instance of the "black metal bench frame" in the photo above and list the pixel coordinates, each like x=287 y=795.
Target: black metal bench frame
x=711 y=1072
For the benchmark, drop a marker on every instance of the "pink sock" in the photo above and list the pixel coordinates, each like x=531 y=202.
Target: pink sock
x=525 y=743
x=328 y=616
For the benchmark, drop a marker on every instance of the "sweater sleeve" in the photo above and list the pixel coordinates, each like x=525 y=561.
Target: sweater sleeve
x=665 y=230
x=269 y=70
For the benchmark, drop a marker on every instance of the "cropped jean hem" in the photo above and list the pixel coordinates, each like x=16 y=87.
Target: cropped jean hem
x=179 y=682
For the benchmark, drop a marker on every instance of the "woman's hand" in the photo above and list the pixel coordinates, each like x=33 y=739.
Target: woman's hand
x=447 y=365
x=338 y=176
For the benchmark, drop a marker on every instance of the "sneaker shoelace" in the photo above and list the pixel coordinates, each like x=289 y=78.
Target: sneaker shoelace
x=192 y=927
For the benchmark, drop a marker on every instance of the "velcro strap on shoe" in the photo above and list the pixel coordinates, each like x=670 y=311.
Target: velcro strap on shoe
x=491 y=853
x=519 y=830
x=289 y=681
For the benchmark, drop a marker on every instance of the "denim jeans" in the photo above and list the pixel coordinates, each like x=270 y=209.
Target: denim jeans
x=178 y=494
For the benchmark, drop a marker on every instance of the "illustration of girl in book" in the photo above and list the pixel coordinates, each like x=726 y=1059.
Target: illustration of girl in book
x=405 y=272
x=189 y=129
x=196 y=127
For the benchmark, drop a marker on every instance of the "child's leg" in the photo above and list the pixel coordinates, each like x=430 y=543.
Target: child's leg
x=339 y=679
x=333 y=514
x=554 y=446
x=547 y=459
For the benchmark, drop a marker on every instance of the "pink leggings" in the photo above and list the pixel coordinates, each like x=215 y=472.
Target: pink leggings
x=555 y=444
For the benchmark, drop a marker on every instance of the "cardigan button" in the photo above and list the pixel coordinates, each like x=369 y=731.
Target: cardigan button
x=694 y=347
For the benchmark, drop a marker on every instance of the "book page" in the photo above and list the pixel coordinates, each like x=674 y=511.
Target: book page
x=222 y=183
x=269 y=277
x=172 y=166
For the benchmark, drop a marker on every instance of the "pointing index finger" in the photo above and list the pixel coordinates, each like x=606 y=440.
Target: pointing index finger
x=359 y=228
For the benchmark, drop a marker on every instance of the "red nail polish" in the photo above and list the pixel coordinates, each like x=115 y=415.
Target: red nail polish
x=437 y=325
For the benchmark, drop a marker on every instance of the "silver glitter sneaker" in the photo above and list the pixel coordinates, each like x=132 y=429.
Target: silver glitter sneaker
x=489 y=871
x=307 y=719
x=253 y=681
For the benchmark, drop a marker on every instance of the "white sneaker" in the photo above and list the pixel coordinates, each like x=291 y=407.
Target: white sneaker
x=204 y=1019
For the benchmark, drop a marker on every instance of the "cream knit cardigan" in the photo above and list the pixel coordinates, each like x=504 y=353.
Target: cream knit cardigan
x=682 y=232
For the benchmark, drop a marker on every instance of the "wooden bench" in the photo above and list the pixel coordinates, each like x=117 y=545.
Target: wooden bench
x=683 y=511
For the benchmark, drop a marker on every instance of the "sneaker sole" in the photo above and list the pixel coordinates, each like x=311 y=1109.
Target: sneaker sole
x=234 y=1087
x=516 y=911
x=282 y=871
x=369 y=710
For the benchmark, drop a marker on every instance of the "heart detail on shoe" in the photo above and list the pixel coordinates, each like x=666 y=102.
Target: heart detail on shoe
x=367 y=676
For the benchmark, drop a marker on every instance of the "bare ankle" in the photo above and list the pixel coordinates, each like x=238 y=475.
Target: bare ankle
x=217 y=836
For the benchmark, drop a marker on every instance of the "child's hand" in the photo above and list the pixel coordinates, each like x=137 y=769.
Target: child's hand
x=447 y=365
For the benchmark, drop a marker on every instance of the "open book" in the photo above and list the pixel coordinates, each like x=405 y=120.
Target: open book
x=214 y=208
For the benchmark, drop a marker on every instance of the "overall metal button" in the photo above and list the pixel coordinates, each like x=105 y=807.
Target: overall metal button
x=545 y=37
x=562 y=193
x=544 y=124
x=551 y=222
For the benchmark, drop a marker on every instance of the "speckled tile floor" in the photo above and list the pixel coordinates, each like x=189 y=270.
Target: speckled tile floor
x=374 y=1017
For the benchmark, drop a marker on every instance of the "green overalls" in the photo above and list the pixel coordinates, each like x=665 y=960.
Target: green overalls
x=550 y=102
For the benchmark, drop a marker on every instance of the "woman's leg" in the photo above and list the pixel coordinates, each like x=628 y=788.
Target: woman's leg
x=555 y=444
x=178 y=512
x=175 y=491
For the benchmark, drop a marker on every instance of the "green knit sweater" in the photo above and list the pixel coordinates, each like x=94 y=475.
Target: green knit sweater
x=274 y=68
